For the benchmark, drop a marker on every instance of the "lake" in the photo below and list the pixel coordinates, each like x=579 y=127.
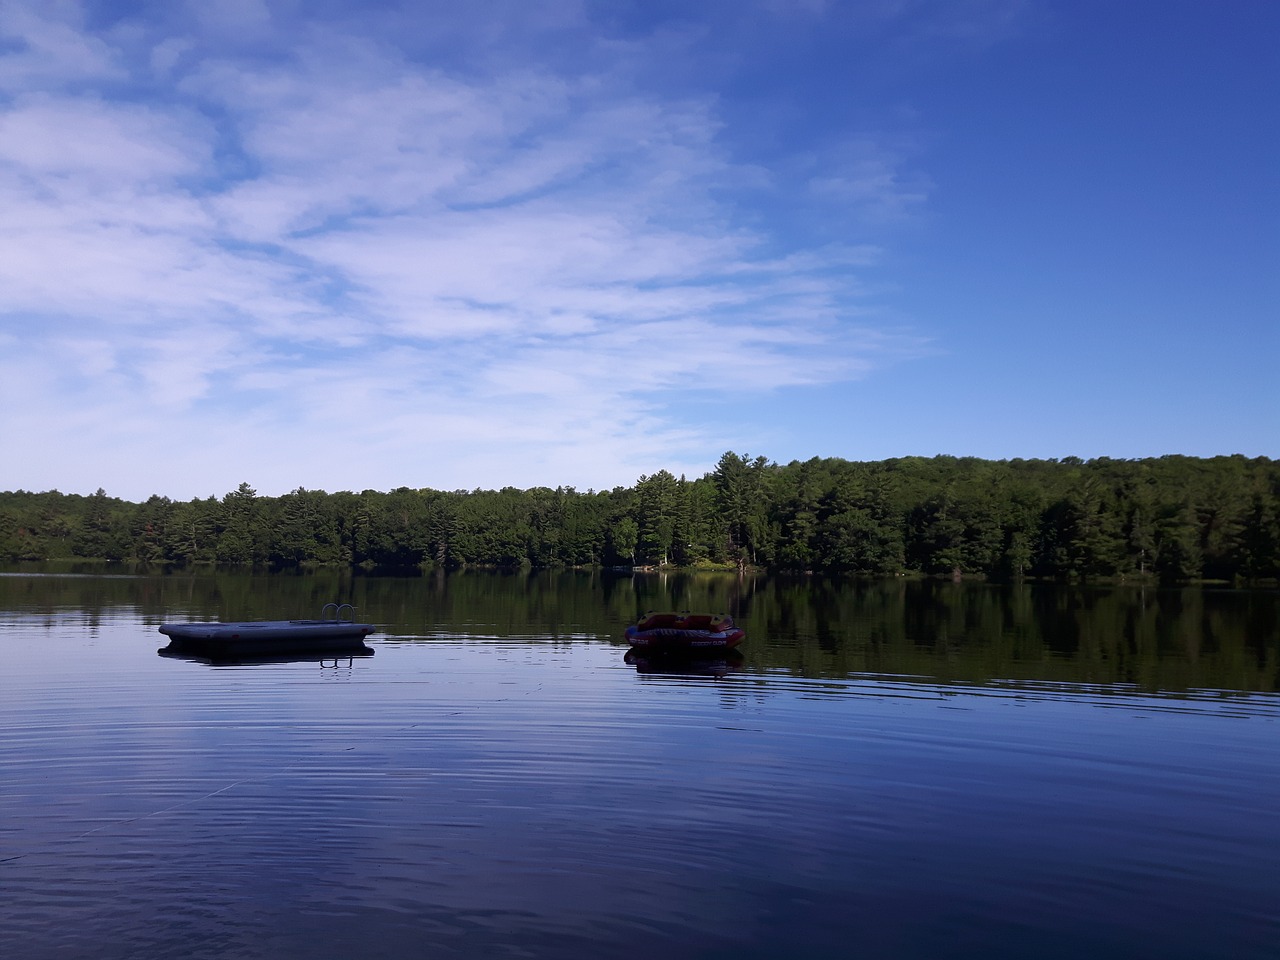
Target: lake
x=889 y=769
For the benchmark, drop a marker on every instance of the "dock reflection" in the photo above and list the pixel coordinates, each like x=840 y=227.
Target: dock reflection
x=325 y=658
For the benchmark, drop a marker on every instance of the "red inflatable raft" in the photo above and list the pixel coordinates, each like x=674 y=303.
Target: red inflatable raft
x=684 y=631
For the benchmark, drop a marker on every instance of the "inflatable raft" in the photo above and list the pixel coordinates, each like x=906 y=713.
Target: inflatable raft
x=331 y=632
x=684 y=631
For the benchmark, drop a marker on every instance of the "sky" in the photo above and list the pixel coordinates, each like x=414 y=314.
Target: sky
x=349 y=246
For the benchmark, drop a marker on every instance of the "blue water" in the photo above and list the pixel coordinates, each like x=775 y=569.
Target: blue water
x=465 y=793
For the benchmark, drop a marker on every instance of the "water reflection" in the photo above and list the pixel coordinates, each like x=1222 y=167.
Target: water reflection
x=1152 y=640
x=325 y=658
x=686 y=664
x=919 y=771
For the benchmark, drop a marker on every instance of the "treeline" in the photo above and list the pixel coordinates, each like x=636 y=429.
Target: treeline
x=1175 y=518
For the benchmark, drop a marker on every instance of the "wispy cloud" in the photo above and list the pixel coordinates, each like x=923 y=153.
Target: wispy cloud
x=52 y=49
x=227 y=265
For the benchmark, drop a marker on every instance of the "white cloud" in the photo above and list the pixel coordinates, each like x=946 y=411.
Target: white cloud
x=84 y=144
x=455 y=282
x=52 y=48
x=166 y=54
x=235 y=19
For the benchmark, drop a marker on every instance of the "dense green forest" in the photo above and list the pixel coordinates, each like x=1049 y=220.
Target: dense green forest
x=1174 y=518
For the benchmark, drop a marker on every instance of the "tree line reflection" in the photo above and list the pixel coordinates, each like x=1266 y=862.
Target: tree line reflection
x=1175 y=639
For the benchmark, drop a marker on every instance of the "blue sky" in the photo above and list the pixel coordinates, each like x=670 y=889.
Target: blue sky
x=352 y=246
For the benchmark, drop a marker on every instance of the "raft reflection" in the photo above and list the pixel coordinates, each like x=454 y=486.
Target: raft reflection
x=680 y=664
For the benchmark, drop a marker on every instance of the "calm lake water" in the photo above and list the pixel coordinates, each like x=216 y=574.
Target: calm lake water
x=890 y=769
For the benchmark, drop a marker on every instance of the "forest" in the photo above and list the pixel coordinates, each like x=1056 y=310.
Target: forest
x=1173 y=518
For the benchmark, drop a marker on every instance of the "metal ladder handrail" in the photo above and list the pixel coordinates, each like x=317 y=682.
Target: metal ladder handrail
x=337 y=612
